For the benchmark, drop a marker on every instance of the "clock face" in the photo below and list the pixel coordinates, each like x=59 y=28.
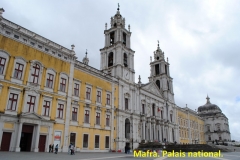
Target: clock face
x=126 y=74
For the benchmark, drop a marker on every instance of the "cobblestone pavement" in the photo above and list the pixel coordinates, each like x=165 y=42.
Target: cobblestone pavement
x=97 y=156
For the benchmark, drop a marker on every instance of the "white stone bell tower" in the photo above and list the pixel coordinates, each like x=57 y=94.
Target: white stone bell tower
x=117 y=57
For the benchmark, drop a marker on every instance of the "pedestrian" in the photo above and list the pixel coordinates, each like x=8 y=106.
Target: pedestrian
x=72 y=149
x=56 y=149
x=126 y=149
x=50 y=148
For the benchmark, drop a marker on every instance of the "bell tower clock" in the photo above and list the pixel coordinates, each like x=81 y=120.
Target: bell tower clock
x=117 y=57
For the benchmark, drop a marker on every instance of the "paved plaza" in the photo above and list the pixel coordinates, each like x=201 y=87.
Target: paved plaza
x=97 y=156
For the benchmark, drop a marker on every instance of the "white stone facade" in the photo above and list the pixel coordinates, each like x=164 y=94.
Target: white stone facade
x=146 y=112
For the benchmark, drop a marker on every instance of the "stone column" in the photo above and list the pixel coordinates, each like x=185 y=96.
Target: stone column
x=154 y=131
x=143 y=136
x=150 y=129
x=17 y=149
x=37 y=138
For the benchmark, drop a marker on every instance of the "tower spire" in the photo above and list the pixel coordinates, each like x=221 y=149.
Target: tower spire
x=118 y=7
x=208 y=101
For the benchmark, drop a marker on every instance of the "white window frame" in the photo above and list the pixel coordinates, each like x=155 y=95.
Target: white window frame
x=15 y=91
x=65 y=76
x=63 y=102
x=75 y=123
x=31 y=93
x=108 y=105
x=5 y=55
x=98 y=141
x=79 y=83
x=108 y=127
x=32 y=63
x=98 y=90
x=53 y=72
x=87 y=142
x=50 y=99
x=22 y=61
x=108 y=142
x=88 y=86
x=98 y=110
x=84 y=123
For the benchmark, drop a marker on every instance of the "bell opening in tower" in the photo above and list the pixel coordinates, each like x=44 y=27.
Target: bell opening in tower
x=110 y=59
x=124 y=38
x=125 y=60
x=111 y=38
x=157 y=69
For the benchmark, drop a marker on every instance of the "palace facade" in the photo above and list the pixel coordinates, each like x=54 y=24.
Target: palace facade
x=48 y=97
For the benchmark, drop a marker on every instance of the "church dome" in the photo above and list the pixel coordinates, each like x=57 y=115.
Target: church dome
x=209 y=108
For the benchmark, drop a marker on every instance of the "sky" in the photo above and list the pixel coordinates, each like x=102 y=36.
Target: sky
x=201 y=39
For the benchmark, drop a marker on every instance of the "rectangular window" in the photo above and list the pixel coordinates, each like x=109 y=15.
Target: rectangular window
x=63 y=85
x=18 y=71
x=88 y=93
x=96 y=141
x=99 y=96
x=111 y=38
x=46 y=108
x=108 y=120
x=76 y=89
x=86 y=120
x=60 y=111
x=108 y=99
x=161 y=114
x=126 y=104
x=98 y=118
x=49 y=80
x=107 y=142
x=12 y=102
x=31 y=103
x=143 y=109
x=35 y=74
x=2 y=64
x=74 y=114
x=85 y=141
x=157 y=69
x=171 y=117
x=124 y=38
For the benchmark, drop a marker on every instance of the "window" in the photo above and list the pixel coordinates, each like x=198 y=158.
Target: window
x=166 y=69
x=46 y=108
x=171 y=117
x=16 y=36
x=158 y=83
x=60 y=111
x=99 y=96
x=209 y=137
x=18 y=71
x=31 y=103
x=108 y=99
x=153 y=109
x=168 y=87
x=12 y=102
x=107 y=142
x=35 y=74
x=88 y=93
x=32 y=43
x=108 y=120
x=2 y=64
x=76 y=89
x=86 y=120
x=157 y=69
x=208 y=128
x=98 y=118
x=110 y=59
x=125 y=60
x=124 y=38
x=49 y=83
x=96 y=141
x=74 y=114
x=63 y=84
x=85 y=141
x=219 y=137
x=143 y=109
x=126 y=104
x=111 y=38
x=162 y=115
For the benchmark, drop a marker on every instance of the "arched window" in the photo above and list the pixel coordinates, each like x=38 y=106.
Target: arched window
x=110 y=59
x=158 y=83
x=125 y=60
x=127 y=128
